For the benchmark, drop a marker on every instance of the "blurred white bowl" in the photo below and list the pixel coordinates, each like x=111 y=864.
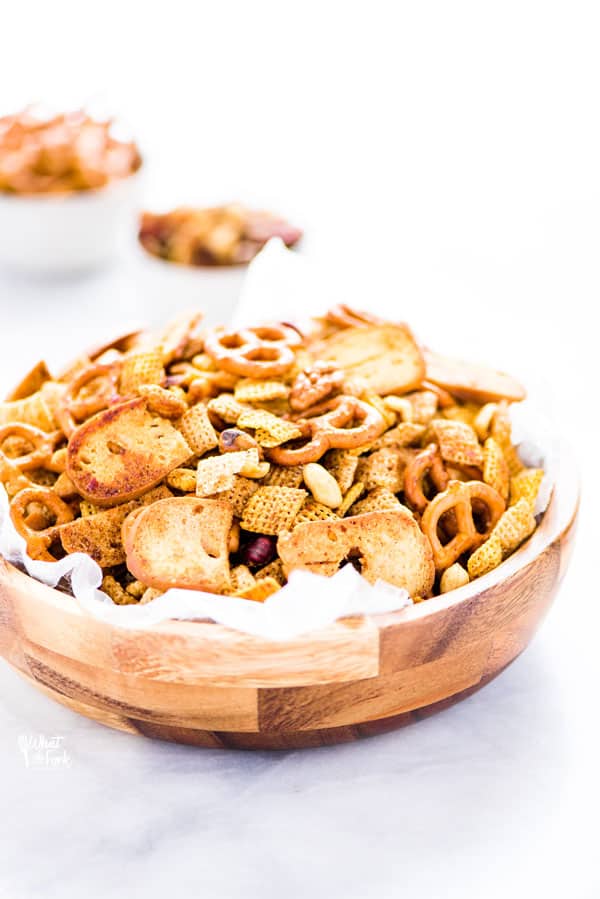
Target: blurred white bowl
x=167 y=288
x=68 y=233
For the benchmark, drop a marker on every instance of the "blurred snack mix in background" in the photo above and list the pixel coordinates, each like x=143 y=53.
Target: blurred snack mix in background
x=62 y=153
x=222 y=235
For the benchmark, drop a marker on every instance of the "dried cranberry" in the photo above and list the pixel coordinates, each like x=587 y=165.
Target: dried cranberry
x=259 y=551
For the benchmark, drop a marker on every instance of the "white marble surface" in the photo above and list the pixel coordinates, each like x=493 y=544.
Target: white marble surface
x=444 y=160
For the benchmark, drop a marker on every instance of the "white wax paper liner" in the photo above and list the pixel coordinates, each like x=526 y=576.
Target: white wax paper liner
x=277 y=280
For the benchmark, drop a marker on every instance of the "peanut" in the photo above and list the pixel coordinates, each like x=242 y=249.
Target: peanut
x=323 y=486
x=453 y=577
x=258 y=470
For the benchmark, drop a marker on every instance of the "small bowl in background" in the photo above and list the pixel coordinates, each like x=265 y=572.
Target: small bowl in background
x=65 y=233
x=167 y=288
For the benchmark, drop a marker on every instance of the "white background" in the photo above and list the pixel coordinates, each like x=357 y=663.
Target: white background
x=444 y=160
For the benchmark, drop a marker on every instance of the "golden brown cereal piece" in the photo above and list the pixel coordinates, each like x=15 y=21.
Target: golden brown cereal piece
x=315 y=511
x=323 y=486
x=31 y=383
x=239 y=494
x=471 y=382
x=495 y=469
x=386 y=356
x=33 y=410
x=180 y=542
x=487 y=557
x=350 y=497
x=401 y=405
x=99 y=535
x=141 y=367
x=342 y=465
x=278 y=429
x=203 y=362
x=64 y=487
x=526 y=485
x=274 y=569
x=388 y=415
x=284 y=476
x=453 y=578
x=376 y=500
x=405 y=434
x=424 y=406
x=383 y=468
x=240 y=578
x=458 y=443
x=227 y=408
x=136 y=589
x=515 y=526
x=198 y=431
x=150 y=594
x=122 y=452
x=183 y=479
x=465 y=412
x=387 y=545
x=216 y=474
x=261 y=590
x=280 y=408
x=248 y=390
x=112 y=588
x=483 y=420
x=272 y=510
x=58 y=460
x=164 y=402
x=501 y=430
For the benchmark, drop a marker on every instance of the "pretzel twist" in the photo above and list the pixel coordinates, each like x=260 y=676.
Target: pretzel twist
x=39 y=539
x=42 y=445
x=459 y=498
x=73 y=409
x=427 y=463
x=262 y=352
x=330 y=430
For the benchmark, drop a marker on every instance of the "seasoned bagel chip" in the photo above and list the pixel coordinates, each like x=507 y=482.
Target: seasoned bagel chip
x=386 y=356
x=386 y=544
x=180 y=542
x=122 y=452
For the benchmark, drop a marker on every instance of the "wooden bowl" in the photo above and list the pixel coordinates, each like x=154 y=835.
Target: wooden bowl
x=204 y=684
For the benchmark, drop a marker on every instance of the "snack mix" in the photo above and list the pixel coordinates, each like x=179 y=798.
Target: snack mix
x=61 y=154
x=223 y=235
x=221 y=460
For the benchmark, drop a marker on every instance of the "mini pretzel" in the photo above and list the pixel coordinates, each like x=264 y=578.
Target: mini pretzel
x=39 y=539
x=328 y=431
x=74 y=409
x=426 y=463
x=458 y=498
x=263 y=352
x=43 y=445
